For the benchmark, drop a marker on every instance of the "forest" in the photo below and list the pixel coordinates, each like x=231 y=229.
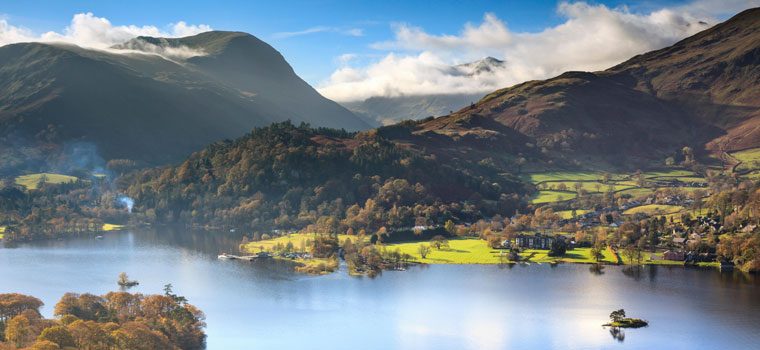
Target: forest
x=286 y=177
x=117 y=320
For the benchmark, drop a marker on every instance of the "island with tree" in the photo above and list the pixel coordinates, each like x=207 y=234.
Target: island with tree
x=618 y=319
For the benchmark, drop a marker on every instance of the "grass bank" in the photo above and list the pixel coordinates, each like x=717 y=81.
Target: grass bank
x=464 y=250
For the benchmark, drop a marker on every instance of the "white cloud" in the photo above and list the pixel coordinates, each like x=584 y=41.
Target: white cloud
x=345 y=58
x=182 y=29
x=320 y=29
x=591 y=37
x=87 y=30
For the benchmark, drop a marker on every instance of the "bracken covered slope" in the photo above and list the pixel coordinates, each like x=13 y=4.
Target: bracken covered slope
x=702 y=92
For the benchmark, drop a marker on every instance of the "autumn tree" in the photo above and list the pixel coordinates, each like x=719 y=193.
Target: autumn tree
x=597 y=251
x=59 y=335
x=450 y=227
x=424 y=250
x=18 y=331
x=439 y=242
x=12 y=304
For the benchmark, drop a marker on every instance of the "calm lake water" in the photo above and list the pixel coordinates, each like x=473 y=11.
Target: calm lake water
x=265 y=306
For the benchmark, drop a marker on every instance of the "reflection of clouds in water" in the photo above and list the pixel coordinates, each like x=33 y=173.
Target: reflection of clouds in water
x=424 y=320
x=465 y=323
x=486 y=328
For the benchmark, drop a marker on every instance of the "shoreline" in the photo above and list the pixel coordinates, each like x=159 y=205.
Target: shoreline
x=461 y=251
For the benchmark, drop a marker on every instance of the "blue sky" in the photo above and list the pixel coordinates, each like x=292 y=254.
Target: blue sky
x=313 y=56
x=313 y=35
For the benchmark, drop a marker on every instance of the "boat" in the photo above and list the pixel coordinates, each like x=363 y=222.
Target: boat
x=98 y=237
x=225 y=256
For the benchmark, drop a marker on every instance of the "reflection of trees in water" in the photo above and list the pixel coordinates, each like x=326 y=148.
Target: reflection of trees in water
x=634 y=272
x=207 y=242
x=596 y=269
x=732 y=277
x=617 y=333
x=507 y=265
x=652 y=272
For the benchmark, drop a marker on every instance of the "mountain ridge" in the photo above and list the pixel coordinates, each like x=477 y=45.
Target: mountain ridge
x=130 y=104
x=700 y=92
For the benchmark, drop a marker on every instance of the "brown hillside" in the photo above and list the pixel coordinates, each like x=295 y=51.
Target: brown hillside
x=703 y=92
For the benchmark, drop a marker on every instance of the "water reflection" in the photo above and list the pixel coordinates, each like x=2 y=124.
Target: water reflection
x=596 y=269
x=617 y=333
x=264 y=305
x=634 y=272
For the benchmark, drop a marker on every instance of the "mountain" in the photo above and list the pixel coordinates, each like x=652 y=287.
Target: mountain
x=155 y=99
x=488 y=65
x=702 y=92
x=384 y=110
x=698 y=92
x=389 y=110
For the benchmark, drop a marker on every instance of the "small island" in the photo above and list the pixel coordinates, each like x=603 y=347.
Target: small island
x=125 y=282
x=619 y=320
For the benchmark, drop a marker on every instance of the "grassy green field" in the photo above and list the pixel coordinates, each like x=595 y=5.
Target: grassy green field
x=32 y=180
x=112 y=227
x=465 y=250
x=2 y=232
x=549 y=183
x=689 y=189
x=669 y=173
x=576 y=256
x=460 y=251
x=552 y=196
x=638 y=192
x=568 y=214
x=750 y=159
x=681 y=178
x=588 y=186
x=563 y=176
x=298 y=239
x=654 y=209
x=477 y=251
x=755 y=175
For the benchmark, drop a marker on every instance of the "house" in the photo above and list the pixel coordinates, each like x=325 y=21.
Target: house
x=673 y=255
x=537 y=241
x=679 y=241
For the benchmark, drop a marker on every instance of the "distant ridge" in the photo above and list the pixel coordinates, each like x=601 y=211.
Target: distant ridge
x=383 y=110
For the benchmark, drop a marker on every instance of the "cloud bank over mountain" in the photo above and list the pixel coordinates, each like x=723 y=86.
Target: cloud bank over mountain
x=88 y=30
x=591 y=37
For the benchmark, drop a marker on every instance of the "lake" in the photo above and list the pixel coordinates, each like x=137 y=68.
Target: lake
x=263 y=305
